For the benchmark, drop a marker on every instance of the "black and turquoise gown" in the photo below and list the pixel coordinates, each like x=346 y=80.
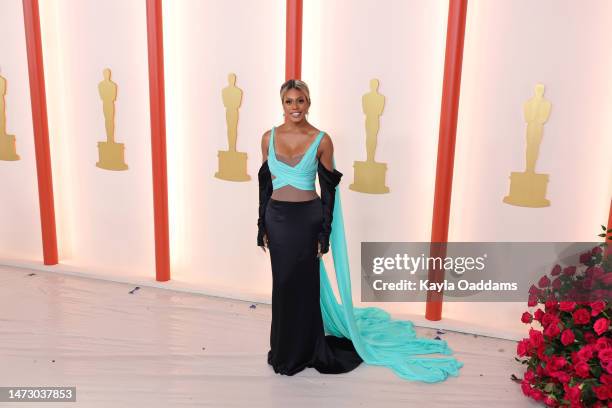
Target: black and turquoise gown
x=309 y=327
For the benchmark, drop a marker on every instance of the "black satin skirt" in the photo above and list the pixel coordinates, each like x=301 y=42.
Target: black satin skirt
x=297 y=337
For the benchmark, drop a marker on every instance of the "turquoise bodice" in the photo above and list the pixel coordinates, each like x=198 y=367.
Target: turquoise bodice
x=302 y=175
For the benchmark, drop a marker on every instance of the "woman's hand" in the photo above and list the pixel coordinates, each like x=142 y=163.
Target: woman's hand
x=266 y=244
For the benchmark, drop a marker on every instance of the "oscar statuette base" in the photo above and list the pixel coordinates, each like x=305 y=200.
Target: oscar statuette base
x=8 y=149
x=527 y=190
x=369 y=177
x=111 y=156
x=232 y=166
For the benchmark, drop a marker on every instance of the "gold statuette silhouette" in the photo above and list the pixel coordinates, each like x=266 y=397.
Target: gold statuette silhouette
x=8 y=150
x=528 y=189
x=110 y=153
x=232 y=164
x=369 y=175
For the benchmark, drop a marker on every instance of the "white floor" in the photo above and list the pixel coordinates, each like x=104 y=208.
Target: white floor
x=161 y=348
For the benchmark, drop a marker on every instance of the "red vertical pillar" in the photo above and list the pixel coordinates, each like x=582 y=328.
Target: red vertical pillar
x=293 y=46
x=41 y=130
x=455 y=33
x=158 y=138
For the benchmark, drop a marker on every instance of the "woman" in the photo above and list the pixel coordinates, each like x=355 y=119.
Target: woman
x=293 y=231
x=297 y=226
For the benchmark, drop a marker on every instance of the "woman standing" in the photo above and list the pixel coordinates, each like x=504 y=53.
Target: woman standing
x=297 y=226
x=291 y=226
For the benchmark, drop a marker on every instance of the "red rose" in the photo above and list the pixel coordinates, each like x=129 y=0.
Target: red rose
x=548 y=319
x=533 y=300
x=533 y=290
x=535 y=337
x=597 y=307
x=585 y=257
x=598 y=272
x=526 y=317
x=538 y=314
x=522 y=348
x=590 y=337
x=569 y=271
x=607 y=366
x=537 y=394
x=556 y=284
x=550 y=401
x=572 y=393
x=556 y=270
x=601 y=325
x=567 y=306
x=581 y=316
x=567 y=337
x=556 y=363
x=586 y=353
x=529 y=376
x=606 y=379
x=551 y=305
x=552 y=330
x=582 y=369
x=594 y=272
x=606 y=279
x=602 y=343
x=544 y=282
x=526 y=388
x=587 y=283
x=601 y=392
x=562 y=376
x=605 y=355
x=596 y=250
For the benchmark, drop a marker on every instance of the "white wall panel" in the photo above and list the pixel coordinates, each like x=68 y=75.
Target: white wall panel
x=401 y=43
x=509 y=47
x=105 y=218
x=214 y=222
x=20 y=235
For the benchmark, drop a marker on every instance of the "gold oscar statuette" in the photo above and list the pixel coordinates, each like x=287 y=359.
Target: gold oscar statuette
x=232 y=164
x=8 y=149
x=110 y=154
x=369 y=176
x=528 y=189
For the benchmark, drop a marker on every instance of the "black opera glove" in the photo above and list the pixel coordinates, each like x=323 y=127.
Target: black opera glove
x=265 y=192
x=328 y=180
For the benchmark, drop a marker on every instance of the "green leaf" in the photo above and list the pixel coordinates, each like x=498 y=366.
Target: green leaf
x=603 y=227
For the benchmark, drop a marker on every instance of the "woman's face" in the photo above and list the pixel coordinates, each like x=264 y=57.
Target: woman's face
x=295 y=105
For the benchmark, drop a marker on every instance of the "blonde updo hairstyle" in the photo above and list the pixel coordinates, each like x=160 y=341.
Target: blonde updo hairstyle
x=295 y=84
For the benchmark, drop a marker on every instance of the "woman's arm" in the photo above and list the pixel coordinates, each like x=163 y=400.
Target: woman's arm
x=326 y=149
x=329 y=178
x=265 y=192
x=265 y=141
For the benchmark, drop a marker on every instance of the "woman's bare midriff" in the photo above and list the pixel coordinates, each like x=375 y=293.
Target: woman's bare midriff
x=290 y=193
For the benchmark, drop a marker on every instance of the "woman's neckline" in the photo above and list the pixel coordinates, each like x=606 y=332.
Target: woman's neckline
x=273 y=142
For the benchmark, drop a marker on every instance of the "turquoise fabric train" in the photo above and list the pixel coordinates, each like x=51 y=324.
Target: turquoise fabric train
x=379 y=339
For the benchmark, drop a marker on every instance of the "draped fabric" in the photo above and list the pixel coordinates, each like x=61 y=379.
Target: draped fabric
x=379 y=339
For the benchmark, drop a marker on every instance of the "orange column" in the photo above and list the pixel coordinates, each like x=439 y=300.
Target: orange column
x=41 y=130
x=158 y=138
x=455 y=33
x=293 y=46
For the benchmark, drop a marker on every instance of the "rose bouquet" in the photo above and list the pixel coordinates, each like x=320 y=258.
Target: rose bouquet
x=569 y=360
